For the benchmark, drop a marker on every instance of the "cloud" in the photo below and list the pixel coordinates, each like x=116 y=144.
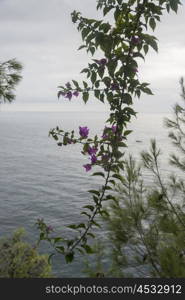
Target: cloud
x=42 y=36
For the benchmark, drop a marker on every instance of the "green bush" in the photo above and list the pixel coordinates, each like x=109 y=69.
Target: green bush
x=9 y=78
x=18 y=259
x=146 y=222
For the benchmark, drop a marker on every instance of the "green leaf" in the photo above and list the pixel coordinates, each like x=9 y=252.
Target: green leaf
x=94 y=192
x=110 y=197
x=106 y=10
x=90 y=37
x=168 y=7
x=145 y=47
x=92 y=50
x=101 y=72
x=110 y=97
x=85 y=96
x=80 y=250
x=85 y=32
x=57 y=239
x=112 y=67
x=147 y=91
x=85 y=84
x=60 y=249
x=97 y=84
x=112 y=181
x=105 y=27
x=152 y=23
x=95 y=224
x=81 y=225
x=174 y=5
x=102 y=97
x=72 y=226
x=85 y=70
x=98 y=174
x=90 y=207
x=97 y=93
x=138 y=54
x=118 y=176
x=104 y=212
x=121 y=144
x=86 y=214
x=117 y=13
x=42 y=236
x=85 y=147
x=81 y=47
x=131 y=2
x=93 y=77
x=91 y=234
x=76 y=84
x=127 y=99
x=151 y=41
x=69 y=257
x=88 y=249
x=127 y=132
x=108 y=188
x=50 y=257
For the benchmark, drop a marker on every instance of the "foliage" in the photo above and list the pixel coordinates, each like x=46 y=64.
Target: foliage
x=18 y=259
x=9 y=78
x=147 y=223
x=111 y=77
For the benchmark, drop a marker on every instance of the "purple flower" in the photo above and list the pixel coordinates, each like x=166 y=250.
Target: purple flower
x=101 y=62
x=114 y=86
x=87 y=167
x=135 y=40
x=60 y=93
x=68 y=85
x=49 y=228
x=93 y=159
x=68 y=95
x=76 y=94
x=92 y=150
x=105 y=136
x=83 y=131
x=114 y=128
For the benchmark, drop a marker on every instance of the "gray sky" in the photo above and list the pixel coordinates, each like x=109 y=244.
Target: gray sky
x=41 y=35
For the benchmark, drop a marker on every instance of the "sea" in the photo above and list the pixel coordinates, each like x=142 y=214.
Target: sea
x=38 y=179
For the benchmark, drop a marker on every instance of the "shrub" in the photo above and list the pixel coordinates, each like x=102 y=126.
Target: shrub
x=18 y=259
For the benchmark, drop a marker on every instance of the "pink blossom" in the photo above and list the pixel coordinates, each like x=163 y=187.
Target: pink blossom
x=114 y=128
x=93 y=159
x=87 y=167
x=92 y=150
x=135 y=40
x=68 y=95
x=114 y=86
x=83 y=131
x=76 y=94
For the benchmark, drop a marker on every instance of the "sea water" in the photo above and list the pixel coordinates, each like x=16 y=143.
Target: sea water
x=38 y=179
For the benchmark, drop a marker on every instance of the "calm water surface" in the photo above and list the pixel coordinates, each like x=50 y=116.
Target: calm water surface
x=40 y=180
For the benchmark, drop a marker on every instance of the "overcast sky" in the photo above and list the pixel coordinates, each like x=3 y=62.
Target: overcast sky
x=40 y=34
